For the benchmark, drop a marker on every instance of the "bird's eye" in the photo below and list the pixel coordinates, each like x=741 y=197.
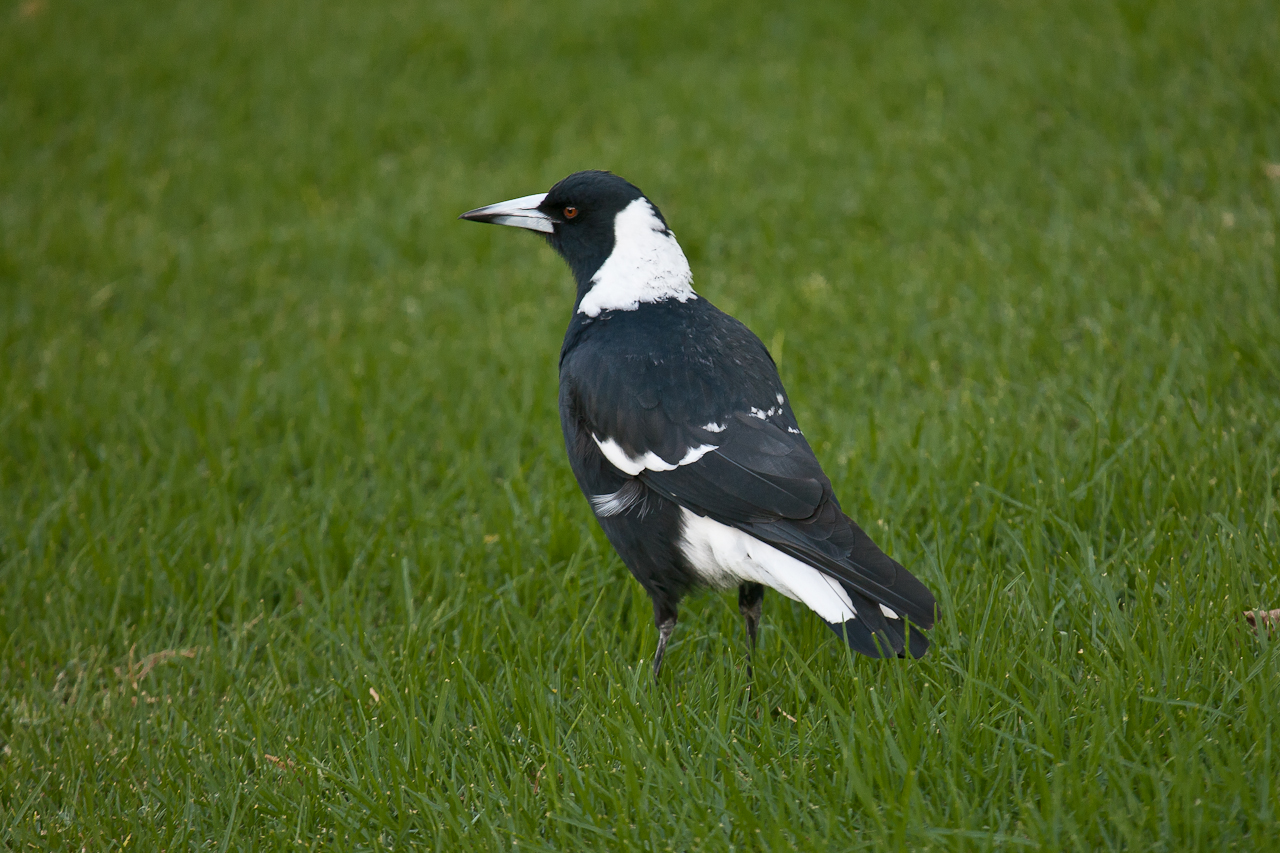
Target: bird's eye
x=570 y=212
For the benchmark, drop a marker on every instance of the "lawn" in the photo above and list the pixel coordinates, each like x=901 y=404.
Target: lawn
x=290 y=553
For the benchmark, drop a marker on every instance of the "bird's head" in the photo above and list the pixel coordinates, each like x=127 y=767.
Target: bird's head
x=590 y=218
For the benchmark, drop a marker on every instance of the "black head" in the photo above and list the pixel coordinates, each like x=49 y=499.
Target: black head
x=586 y=204
x=576 y=216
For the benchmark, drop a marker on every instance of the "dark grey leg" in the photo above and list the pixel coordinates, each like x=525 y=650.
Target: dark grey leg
x=750 y=599
x=664 y=616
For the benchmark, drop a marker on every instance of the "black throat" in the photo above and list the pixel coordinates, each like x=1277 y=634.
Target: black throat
x=585 y=254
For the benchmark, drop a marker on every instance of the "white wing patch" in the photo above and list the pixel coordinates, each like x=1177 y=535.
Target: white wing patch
x=723 y=557
x=765 y=414
x=646 y=265
x=650 y=461
x=713 y=427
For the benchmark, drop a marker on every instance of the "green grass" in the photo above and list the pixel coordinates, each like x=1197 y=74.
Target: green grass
x=278 y=434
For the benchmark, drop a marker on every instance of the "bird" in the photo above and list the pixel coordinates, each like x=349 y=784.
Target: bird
x=684 y=441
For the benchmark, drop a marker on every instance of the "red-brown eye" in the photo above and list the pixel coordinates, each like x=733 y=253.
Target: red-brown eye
x=570 y=212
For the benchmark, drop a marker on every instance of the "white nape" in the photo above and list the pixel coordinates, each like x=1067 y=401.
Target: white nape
x=724 y=557
x=646 y=265
x=650 y=461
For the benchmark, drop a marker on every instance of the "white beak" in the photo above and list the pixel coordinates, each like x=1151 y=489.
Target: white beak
x=520 y=212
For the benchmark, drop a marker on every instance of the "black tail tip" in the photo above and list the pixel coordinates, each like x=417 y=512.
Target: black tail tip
x=894 y=642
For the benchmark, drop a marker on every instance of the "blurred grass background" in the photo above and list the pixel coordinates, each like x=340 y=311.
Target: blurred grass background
x=289 y=553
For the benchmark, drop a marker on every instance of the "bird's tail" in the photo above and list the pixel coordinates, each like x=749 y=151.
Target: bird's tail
x=874 y=634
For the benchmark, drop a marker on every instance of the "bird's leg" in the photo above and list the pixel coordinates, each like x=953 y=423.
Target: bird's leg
x=750 y=599
x=664 y=616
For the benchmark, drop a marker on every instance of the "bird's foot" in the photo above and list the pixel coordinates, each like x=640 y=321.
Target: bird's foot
x=664 y=633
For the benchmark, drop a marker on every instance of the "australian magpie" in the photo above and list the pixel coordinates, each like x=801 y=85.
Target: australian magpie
x=683 y=439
